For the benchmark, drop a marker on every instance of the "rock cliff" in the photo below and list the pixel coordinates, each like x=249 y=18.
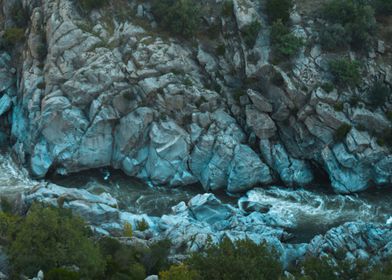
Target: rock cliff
x=110 y=88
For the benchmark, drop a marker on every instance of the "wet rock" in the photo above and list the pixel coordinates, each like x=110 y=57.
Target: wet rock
x=291 y=171
x=247 y=170
x=358 y=240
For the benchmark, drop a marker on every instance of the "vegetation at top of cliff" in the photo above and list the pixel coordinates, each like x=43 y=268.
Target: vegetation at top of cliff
x=346 y=72
x=250 y=32
x=284 y=43
x=349 y=23
x=181 y=17
x=12 y=36
x=378 y=94
x=279 y=10
x=19 y=15
x=89 y=5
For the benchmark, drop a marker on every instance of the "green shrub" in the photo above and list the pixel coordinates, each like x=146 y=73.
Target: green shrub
x=128 y=231
x=221 y=49
x=355 y=17
x=338 y=107
x=155 y=258
x=341 y=132
x=19 y=15
x=379 y=94
x=279 y=10
x=89 y=5
x=243 y=260
x=182 y=17
x=345 y=71
x=51 y=238
x=334 y=36
x=142 y=225
x=6 y=205
x=284 y=43
x=383 y=7
x=61 y=274
x=179 y=272
x=227 y=8
x=13 y=36
x=328 y=87
x=250 y=33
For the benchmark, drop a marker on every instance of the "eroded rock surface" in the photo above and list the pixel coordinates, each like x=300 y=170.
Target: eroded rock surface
x=93 y=90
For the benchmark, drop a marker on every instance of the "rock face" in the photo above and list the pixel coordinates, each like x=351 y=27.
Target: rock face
x=108 y=92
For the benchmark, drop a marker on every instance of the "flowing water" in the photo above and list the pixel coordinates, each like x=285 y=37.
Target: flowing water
x=312 y=210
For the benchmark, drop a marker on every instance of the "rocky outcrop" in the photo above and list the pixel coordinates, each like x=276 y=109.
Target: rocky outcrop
x=191 y=225
x=104 y=91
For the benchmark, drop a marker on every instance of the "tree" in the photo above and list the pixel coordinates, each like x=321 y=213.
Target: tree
x=279 y=9
x=182 y=17
x=243 y=260
x=345 y=71
x=52 y=238
x=355 y=17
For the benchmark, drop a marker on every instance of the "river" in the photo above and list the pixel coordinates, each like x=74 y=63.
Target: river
x=313 y=210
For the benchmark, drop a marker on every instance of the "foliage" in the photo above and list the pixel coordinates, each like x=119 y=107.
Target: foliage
x=279 y=10
x=341 y=132
x=284 y=43
x=13 y=36
x=345 y=71
x=352 y=18
x=250 y=33
x=6 y=205
x=379 y=94
x=142 y=225
x=221 y=49
x=334 y=36
x=182 y=17
x=227 y=8
x=328 y=87
x=243 y=260
x=51 y=238
x=179 y=272
x=383 y=7
x=19 y=15
x=89 y=5
x=155 y=258
x=128 y=231
x=61 y=274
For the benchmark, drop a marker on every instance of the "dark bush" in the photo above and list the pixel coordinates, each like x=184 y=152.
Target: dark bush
x=284 y=43
x=227 y=8
x=379 y=94
x=279 y=9
x=334 y=37
x=383 y=7
x=357 y=19
x=61 y=274
x=182 y=17
x=51 y=238
x=19 y=15
x=345 y=71
x=179 y=272
x=243 y=260
x=89 y=5
x=341 y=132
x=250 y=33
x=13 y=36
